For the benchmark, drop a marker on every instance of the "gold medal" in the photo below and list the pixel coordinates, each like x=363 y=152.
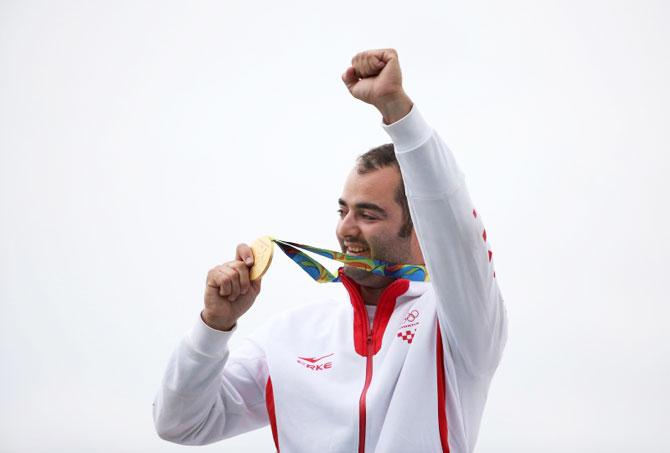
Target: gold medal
x=262 y=249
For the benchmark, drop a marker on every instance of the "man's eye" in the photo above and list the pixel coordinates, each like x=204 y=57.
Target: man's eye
x=367 y=217
x=340 y=212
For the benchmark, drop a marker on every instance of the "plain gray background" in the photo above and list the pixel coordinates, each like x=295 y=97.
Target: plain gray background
x=141 y=141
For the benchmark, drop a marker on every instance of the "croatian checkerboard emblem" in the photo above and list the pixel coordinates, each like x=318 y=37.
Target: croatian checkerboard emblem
x=408 y=328
x=407 y=335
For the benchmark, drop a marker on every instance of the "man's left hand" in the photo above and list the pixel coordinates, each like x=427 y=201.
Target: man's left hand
x=374 y=77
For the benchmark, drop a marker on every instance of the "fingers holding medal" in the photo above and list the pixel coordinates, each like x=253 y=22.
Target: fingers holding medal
x=230 y=291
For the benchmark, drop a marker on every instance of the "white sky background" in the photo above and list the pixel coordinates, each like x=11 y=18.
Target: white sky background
x=141 y=141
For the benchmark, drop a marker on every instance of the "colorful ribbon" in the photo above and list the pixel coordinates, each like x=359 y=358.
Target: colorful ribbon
x=320 y=274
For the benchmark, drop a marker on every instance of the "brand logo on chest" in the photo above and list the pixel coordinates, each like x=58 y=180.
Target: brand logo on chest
x=316 y=363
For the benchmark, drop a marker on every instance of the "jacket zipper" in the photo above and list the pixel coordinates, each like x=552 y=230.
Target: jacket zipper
x=389 y=295
x=368 y=378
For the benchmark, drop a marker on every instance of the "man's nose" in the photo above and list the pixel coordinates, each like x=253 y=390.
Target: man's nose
x=348 y=225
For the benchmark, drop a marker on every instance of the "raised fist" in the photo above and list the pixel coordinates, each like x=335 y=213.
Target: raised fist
x=374 y=77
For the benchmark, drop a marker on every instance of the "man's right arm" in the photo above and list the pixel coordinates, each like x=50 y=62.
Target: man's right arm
x=209 y=393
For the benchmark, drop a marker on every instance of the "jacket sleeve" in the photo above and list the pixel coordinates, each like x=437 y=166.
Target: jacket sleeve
x=454 y=245
x=209 y=393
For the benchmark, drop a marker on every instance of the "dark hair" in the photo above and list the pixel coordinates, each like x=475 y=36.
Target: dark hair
x=381 y=157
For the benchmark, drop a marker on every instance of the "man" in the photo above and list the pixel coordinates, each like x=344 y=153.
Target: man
x=404 y=366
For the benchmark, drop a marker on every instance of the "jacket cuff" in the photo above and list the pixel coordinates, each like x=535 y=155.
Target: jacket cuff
x=208 y=341
x=409 y=132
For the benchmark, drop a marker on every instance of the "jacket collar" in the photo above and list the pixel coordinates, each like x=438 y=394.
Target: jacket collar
x=385 y=307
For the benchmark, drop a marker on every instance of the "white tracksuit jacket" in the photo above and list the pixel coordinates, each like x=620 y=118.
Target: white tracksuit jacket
x=416 y=381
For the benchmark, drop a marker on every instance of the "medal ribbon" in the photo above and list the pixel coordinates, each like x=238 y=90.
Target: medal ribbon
x=320 y=274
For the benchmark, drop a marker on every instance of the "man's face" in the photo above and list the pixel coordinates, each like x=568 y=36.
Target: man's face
x=370 y=222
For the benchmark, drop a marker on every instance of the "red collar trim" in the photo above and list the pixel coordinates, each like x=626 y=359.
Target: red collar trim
x=385 y=307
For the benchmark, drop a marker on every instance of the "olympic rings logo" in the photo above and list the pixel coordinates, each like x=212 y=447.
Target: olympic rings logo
x=412 y=315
